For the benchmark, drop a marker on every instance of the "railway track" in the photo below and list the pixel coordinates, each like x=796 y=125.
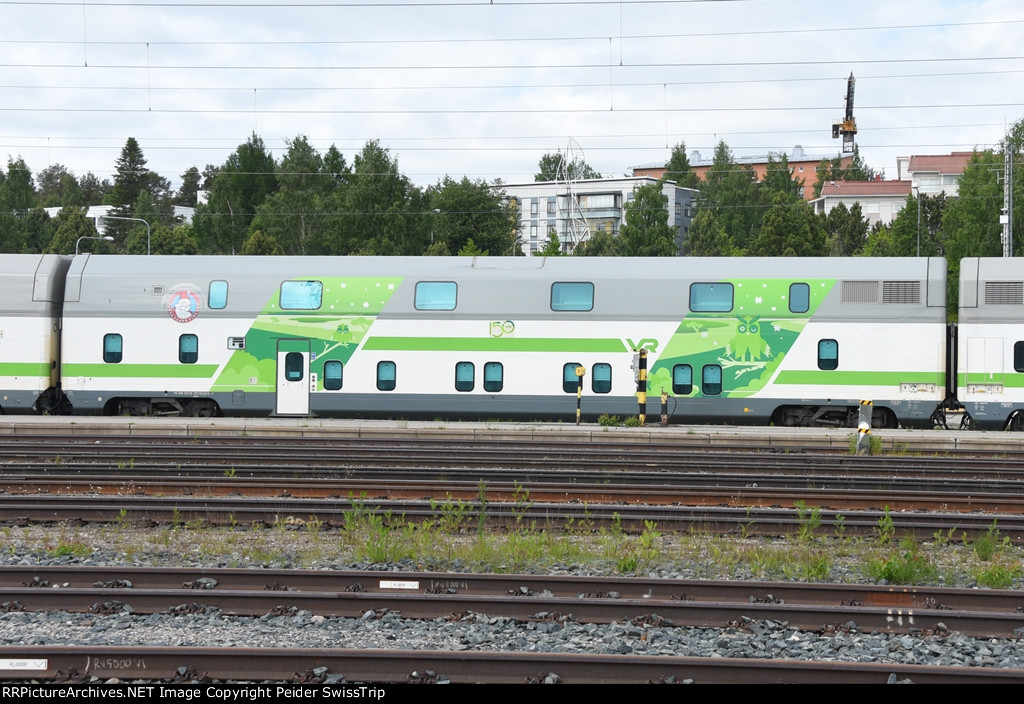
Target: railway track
x=644 y=603
x=894 y=609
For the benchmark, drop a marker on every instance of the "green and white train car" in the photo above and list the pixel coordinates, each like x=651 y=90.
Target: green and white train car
x=737 y=340
x=31 y=294
x=990 y=342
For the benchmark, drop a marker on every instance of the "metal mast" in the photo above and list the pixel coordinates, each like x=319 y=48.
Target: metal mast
x=576 y=228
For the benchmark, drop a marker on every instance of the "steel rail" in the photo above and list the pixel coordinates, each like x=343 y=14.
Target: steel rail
x=315 y=667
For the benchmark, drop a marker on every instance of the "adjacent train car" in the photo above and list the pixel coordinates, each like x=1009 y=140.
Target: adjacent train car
x=990 y=342
x=737 y=340
x=31 y=294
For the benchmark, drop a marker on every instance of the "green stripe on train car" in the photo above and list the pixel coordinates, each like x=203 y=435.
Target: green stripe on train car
x=141 y=371
x=494 y=344
x=814 y=377
x=24 y=369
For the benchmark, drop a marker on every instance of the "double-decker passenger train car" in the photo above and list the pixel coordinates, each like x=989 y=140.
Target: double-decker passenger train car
x=990 y=369
x=731 y=340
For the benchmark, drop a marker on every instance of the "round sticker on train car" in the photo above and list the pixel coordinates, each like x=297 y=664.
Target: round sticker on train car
x=184 y=306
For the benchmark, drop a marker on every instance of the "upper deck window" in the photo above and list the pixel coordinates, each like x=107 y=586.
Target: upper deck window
x=302 y=295
x=218 y=295
x=572 y=296
x=711 y=298
x=799 y=298
x=436 y=295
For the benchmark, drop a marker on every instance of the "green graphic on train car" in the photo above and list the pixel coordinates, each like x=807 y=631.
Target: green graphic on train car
x=347 y=308
x=748 y=342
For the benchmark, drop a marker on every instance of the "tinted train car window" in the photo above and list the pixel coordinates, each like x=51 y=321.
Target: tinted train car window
x=188 y=349
x=333 y=371
x=436 y=295
x=386 y=376
x=711 y=380
x=828 y=354
x=112 y=348
x=711 y=298
x=1018 y=356
x=301 y=295
x=294 y=366
x=572 y=296
x=682 y=379
x=570 y=382
x=494 y=377
x=799 y=298
x=601 y=378
x=465 y=376
x=218 y=295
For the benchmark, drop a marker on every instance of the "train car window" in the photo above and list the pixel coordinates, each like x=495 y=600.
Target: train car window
x=188 y=349
x=828 y=354
x=601 y=378
x=218 y=297
x=112 y=348
x=711 y=380
x=711 y=298
x=294 y=366
x=436 y=295
x=301 y=295
x=570 y=381
x=572 y=296
x=386 y=376
x=682 y=379
x=799 y=298
x=1018 y=356
x=494 y=377
x=333 y=370
x=465 y=376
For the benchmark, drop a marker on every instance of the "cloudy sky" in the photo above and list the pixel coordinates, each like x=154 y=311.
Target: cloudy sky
x=484 y=89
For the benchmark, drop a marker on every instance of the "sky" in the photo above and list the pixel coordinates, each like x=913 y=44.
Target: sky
x=483 y=89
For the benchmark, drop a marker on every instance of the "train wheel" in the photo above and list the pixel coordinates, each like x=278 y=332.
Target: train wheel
x=1016 y=421
x=199 y=409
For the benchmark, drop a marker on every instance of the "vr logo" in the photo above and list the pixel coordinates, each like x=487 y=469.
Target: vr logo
x=646 y=344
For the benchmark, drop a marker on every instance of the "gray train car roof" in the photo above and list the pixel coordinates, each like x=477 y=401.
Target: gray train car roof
x=991 y=290
x=32 y=284
x=490 y=286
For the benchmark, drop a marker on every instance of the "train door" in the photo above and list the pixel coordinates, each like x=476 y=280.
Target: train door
x=984 y=360
x=292 y=378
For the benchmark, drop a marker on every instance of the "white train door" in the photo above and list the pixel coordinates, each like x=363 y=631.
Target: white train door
x=984 y=361
x=292 y=378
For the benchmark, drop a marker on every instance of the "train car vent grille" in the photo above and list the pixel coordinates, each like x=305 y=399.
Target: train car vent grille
x=1004 y=292
x=901 y=292
x=860 y=292
x=158 y=290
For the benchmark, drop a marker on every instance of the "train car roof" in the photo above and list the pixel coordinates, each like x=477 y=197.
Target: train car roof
x=30 y=283
x=507 y=286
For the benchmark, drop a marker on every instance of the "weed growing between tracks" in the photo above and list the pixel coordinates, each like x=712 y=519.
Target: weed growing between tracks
x=454 y=538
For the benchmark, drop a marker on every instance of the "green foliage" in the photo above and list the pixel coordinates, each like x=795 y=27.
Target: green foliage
x=985 y=545
x=646 y=232
x=808 y=521
x=885 y=530
x=678 y=168
x=632 y=422
x=605 y=419
x=548 y=168
x=998 y=575
x=907 y=567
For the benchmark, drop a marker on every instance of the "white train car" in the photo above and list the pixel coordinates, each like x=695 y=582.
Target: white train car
x=738 y=340
x=990 y=347
x=31 y=294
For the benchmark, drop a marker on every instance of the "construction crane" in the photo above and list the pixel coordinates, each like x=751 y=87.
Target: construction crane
x=848 y=127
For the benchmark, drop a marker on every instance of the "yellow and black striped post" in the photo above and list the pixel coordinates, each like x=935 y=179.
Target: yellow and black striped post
x=580 y=371
x=664 y=407
x=641 y=386
x=864 y=426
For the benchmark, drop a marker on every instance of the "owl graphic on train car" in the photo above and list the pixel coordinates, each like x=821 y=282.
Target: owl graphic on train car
x=747 y=344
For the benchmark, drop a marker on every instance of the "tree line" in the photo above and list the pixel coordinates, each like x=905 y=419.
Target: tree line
x=312 y=203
